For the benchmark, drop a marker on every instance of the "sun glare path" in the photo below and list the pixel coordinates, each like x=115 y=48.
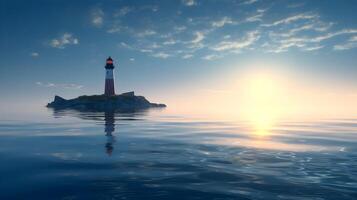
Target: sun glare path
x=262 y=95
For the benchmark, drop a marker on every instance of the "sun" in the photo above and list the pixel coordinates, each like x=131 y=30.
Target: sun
x=263 y=96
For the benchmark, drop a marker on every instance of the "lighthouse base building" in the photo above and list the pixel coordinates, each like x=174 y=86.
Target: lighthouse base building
x=109 y=89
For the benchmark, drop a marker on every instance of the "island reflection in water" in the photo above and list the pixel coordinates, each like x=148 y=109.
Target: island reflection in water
x=108 y=117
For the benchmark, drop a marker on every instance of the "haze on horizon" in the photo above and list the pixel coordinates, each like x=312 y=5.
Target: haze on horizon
x=254 y=58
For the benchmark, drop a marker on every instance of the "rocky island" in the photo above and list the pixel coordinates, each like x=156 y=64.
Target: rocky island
x=109 y=101
x=124 y=102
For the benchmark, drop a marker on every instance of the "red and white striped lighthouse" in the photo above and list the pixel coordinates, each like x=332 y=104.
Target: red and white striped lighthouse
x=109 y=78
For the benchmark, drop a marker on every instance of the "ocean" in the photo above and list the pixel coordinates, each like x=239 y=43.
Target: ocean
x=155 y=155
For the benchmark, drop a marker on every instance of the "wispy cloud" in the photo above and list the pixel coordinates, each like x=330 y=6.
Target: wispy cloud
x=211 y=57
x=199 y=36
x=62 y=85
x=189 y=2
x=115 y=28
x=313 y=48
x=296 y=5
x=147 y=32
x=187 y=56
x=248 y=40
x=304 y=31
x=350 y=44
x=180 y=28
x=290 y=19
x=222 y=22
x=123 y=11
x=63 y=41
x=248 y=2
x=170 y=42
x=314 y=25
x=353 y=38
x=196 y=42
x=194 y=36
x=319 y=38
x=345 y=46
x=256 y=17
x=161 y=55
x=283 y=45
x=146 y=51
x=35 y=54
x=97 y=16
x=125 y=45
x=333 y=34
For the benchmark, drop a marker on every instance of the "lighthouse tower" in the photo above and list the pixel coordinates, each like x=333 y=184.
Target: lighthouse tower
x=109 y=78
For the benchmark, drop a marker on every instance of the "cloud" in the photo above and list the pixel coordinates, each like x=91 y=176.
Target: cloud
x=35 y=54
x=161 y=55
x=248 y=40
x=45 y=84
x=186 y=38
x=254 y=18
x=145 y=50
x=350 y=44
x=65 y=40
x=199 y=36
x=283 y=46
x=330 y=35
x=302 y=42
x=123 y=11
x=248 y=2
x=314 y=26
x=189 y=2
x=222 y=22
x=125 y=45
x=257 y=16
x=132 y=59
x=97 y=15
x=154 y=46
x=296 y=5
x=187 y=56
x=345 y=46
x=318 y=38
x=114 y=29
x=196 y=42
x=145 y=33
x=169 y=42
x=291 y=32
x=353 y=38
x=211 y=57
x=313 y=48
x=61 y=86
x=118 y=27
x=291 y=19
x=195 y=46
x=180 y=28
x=227 y=37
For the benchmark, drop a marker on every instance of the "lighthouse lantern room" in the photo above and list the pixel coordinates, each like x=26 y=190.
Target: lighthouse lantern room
x=109 y=78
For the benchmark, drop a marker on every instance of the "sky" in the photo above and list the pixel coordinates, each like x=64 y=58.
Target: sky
x=218 y=56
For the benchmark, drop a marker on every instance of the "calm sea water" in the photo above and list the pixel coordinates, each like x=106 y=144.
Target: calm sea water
x=153 y=155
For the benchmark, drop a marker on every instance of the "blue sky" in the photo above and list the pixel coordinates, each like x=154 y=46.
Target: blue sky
x=162 y=49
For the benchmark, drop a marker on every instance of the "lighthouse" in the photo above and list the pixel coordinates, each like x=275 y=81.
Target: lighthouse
x=109 y=78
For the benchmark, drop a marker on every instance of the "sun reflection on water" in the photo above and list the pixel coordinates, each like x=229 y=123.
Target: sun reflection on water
x=263 y=94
